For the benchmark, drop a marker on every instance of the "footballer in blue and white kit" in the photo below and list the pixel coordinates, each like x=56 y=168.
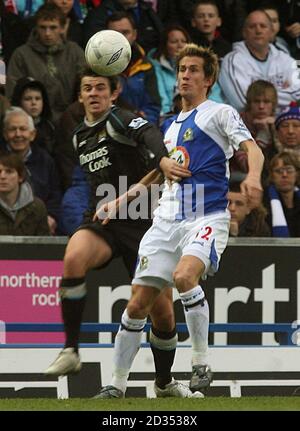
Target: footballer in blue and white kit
x=192 y=216
x=191 y=224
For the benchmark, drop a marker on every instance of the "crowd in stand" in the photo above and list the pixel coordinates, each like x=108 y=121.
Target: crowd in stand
x=42 y=189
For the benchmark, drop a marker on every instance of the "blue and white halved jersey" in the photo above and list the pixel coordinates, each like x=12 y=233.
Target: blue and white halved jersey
x=202 y=140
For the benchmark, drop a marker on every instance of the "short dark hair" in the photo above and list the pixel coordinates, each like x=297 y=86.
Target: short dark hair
x=234 y=186
x=13 y=161
x=87 y=71
x=268 y=5
x=29 y=83
x=204 y=2
x=50 y=12
x=117 y=16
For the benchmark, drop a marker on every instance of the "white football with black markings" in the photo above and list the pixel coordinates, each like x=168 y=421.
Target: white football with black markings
x=108 y=52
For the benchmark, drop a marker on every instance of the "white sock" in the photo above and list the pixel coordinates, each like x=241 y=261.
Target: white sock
x=197 y=320
x=127 y=344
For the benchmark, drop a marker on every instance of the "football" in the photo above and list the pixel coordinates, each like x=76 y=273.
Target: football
x=108 y=52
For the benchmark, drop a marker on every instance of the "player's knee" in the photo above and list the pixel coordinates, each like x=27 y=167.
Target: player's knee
x=183 y=281
x=137 y=309
x=73 y=264
x=165 y=322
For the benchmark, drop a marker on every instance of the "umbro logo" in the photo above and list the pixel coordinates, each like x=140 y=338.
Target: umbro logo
x=115 y=57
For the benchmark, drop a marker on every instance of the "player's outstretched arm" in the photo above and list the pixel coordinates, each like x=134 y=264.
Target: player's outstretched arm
x=251 y=186
x=110 y=209
x=170 y=169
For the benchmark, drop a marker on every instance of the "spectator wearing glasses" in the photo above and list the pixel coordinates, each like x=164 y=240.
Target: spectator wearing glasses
x=282 y=197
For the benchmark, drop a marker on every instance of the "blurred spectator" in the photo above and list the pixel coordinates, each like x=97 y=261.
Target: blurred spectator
x=9 y=32
x=139 y=86
x=289 y=13
x=259 y=117
x=19 y=132
x=65 y=155
x=4 y=102
x=166 y=10
x=167 y=119
x=4 y=105
x=81 y=7
x=282 y=196
x=272 y=11
x=74 y=203
x=255 y=58
x=2 y=74
x=73 y=29
x=244 y=221
x=174 y=38
x=205 y=22
x=32 y=96
x=20 y=212
x=48 y=58
x=288 y=130
x=233 y=13
x=148 y=25
x=27 y=8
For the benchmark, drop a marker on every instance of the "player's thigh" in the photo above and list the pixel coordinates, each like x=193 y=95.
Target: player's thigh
x=84 y=251
x=162 y=313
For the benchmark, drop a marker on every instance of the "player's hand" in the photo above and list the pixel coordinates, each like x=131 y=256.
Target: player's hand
x=172 y=170
x=252 y=189
x=107 y=211
x=264 y=123
x=234 y=228
x=293 y=30
x=52 y=224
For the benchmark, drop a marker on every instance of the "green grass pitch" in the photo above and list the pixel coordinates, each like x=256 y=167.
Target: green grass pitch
x=161 y=404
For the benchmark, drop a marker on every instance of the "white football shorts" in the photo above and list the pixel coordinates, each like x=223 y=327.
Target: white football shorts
x=167 y=241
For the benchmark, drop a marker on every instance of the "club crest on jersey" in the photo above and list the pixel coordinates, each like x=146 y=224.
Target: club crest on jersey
x=181 y=156
x=136 y=123
x=144 y=262
x=188 y=135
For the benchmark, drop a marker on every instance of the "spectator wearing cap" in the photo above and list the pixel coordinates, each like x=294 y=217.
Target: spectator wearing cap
x=288 y=129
